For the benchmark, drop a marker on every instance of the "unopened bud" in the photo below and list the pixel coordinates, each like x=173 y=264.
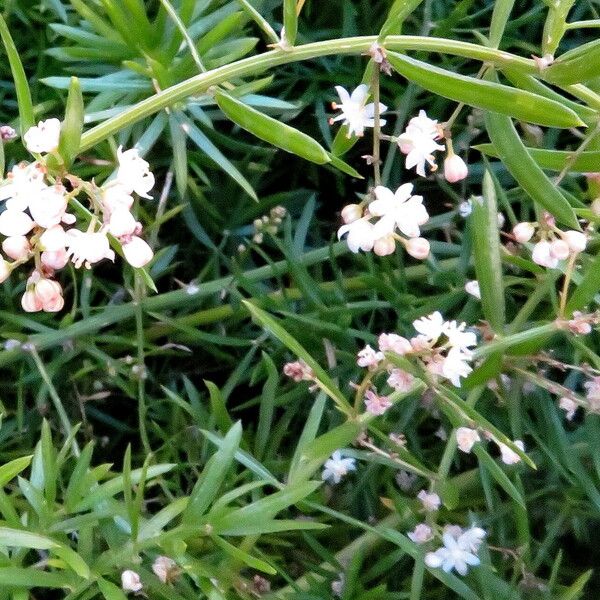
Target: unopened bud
x=16 y=246
x=575 y=240
x=455 y=168
x=384 y=246
x=523 y=232
x=351 y=213
x=559 y=249
x=418 y=248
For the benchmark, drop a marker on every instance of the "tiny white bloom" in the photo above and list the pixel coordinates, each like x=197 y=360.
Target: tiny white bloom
x=455 y=168
x=164 y=568
x=569 y=406
x=48 y=207
x=88 y=248
x=431 y=502
x=431 y=327
x=368 y=357
x=121 y=223
x=509 y=457
x=115 y=195
x=15 y=222
x=523 y=232
x=471 y=539
x=466 y=438
x=54 y=238
x=361 y=235
x=130 y=581
x=16 y=247
x=391 y=342
x=456 y=365
x=576 y=241
x=355 y=112
x=134 y=172
x=337 y=467
x=465 y=208
x=452 y=555
x=43 y=137
x=400 y=380
x=421 y=534
x=542 y=255
x=351 y=213
x=400 y=209
x=472 y=287
x=137 y=252
x=458 y=337
x=23 y=182
x=418 y=248
x=559 y=249
x=418 y=143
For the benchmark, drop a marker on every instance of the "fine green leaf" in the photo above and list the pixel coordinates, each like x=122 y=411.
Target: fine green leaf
x=290 y=21
x=486 y=254
x=110 y=591
x=72 y=126
x=398 y=13
x=588 y=287
x=494 y=469
x=500 y=15
x=10 y=470
x=554 y=26
x=239 y=555
x=489 y=95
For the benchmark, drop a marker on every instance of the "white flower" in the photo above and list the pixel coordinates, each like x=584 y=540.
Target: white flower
x=421 y=534
x=351 y=213
x=30 y=302
x=431 y=502
x=55 y=259
x=418 y=143
x=368 y=357
x=337 y=467
x=400 y=209
x=130 y=581
x=455 y=168
x=134 y=172
x=472 y=538
x=49 y=206
x=164 y=568
x=23 y=182
x=375 y=404
x=361 y=235
x=458 y=337
x=576 y=241
x=466 y=438
x=400 y=380
x=543 y=256
x=115 y=195
x=465 y=208
x=54 y=238
x=418 y=248
x=137 y=252
x=15 y=222
x=88 y=248
x=122 y=223
x=509 y=456
x=559 y=249
x=16 y=247
x=391 y=342
x=355 y=112
x=43 y=137
x=472 y=287
x=523 y=232
x=569 y=406
x=452 y=555
x=456 y=365
x=431 y=327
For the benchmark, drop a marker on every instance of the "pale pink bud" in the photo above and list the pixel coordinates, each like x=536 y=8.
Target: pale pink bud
x=576 y=241
x=455 y=168
x=418 y=248
x=47 y=290
x=298 y=371
x=466 y=438
x=16 y=247
x=431 y=502
x=48 y=208
x=384 y=245
x=569 y=406
x=541 y=255
x=509 y=456
x=30 y=302
x=421 y=534
x=400 y=380
x=165 y=568
x=369 y=358
x=54 y=305
x=43 y=137
x=523 y=232
x=4 y=270
x=137 y=252
x=15 y=222
x=559 y=249
x=375 y=404
x=55 y=259
x=54 y=238
x=122 y=223
x=391 y=342
x=130 y=581
x=351 y=213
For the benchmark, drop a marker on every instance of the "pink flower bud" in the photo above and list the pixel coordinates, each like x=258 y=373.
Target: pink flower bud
x=46 y=290
x=384 y=246
x=30 y=302
x=122 y=223
x=418 y=248
x=4 y=270
x=55 y=259
x=54 y=305
x=137 y=252
x=391 y=342
x=16 y=246
x=54 y=238
x=15 y=222
x=455 y=168
x=523 y=232
x=559 y=249
x=542 y=255
x=576 y=241
x=351 y=213
x=130 y=581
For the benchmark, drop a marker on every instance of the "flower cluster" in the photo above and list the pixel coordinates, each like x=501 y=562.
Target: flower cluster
x=552 y=245
x=38 y=226
x=394 y=213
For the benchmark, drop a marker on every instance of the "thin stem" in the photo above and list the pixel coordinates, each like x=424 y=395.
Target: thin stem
x=300 y=6
x=260 y=21
x=573 y=157
x=565 y=287
x=141 y=361
x=58 y=405
x=592 y=23
x=376 y=127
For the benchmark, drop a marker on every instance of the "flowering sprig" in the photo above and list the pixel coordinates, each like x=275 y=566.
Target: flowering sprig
x=38 y=226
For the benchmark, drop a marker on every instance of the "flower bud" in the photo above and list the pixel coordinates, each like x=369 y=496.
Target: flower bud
x=137 y=252
x=351 y=213
x=4 y=270
x=54 y=238
x=455 y=168
x=30 y=302
x=523 y=232
x=384 y=245
x=418 y=248
x=472 y=287
x=576 y=241
x=55 y=259
x=130 y=581
x=122 y=223
x=165 y=569
x=559 y=249
x=16 y=246
x=542 y=255
x=46 y=290
x=54 y=305
x=15 y=222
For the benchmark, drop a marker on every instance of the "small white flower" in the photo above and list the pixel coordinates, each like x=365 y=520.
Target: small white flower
x=134 y=172
x=47 y=208
x=431 y=327
x=576 y=241
x=421 y=534
x=355 y=112
x=337 y=467
x=418 y=143
x=88 y=248
x=455 y=168
x=471 y=539
x=431 y=502
x=368 y=357
x=43 y=137
x=400 y=380
x=472 y=287
x=121 y=223
x=543 y=256
x=509 y=457
x=400 y=209
x=391 y=342
x=55 y=259
x=54 y=238
x=115 y=195
x=15 y=222
x=23 y=182
x=130 y=581
x=466 y=438
x=375 y=404
x=384 y=246
x=456 y=365
x=465 y=208
x=523 y=232
x=16 y=247
x=569 y=406
x=452 y=555
x=164 y=568
x=361 y=235
x=137 y=252
x=458 y=337
x=559 y=249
